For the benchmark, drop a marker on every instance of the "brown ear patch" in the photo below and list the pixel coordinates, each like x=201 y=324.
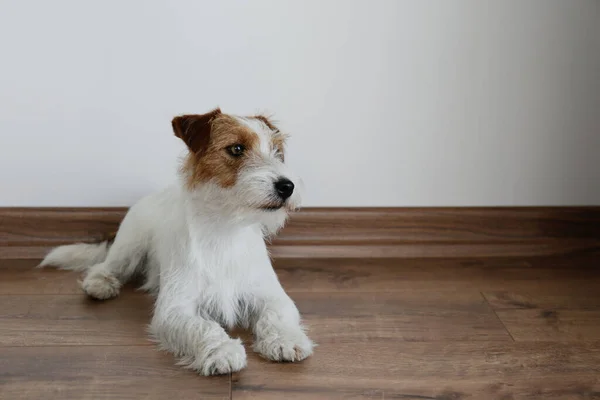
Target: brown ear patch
x=195 y=129
x=267 y=122
x=214 y=163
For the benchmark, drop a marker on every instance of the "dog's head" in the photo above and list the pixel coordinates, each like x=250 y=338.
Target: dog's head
x=237 y=164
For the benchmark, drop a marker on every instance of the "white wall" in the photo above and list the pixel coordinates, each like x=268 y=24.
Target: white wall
x=390 y=102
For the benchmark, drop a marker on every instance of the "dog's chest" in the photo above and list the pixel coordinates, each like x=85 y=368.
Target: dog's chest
x=223 y=292
x=225 y=274
x=216 y=277
x=229 y=259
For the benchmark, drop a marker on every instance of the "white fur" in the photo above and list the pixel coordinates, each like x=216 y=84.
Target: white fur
x=263 y=132
x=203 y=255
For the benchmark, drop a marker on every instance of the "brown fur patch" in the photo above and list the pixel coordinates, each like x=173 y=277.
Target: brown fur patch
x=278 y=142
x=212 y=162
x=195 y=129
x=267 y=122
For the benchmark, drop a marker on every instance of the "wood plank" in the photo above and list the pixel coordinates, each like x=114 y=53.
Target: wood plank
x=129 y=306
x=366 y=275
x=386 y=328
x=281 y=250
x=103 y=372
x=417 y=315
x=348 y=232
x=440 y=224
x=567 y=297
x=21 y=277
x=41 y=320
x=552 y=325
x=501 y=248
x=24 y=226
x=324 y=275
x=58 y=225
x=411 y=315
x=442 y=371
x=563 y=312
x=36 y=320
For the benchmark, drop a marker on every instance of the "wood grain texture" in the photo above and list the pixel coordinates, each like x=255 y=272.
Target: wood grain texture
x=514 y=248
x=365 y=317
x=554 y=274
x=372 y=317
x=565 y=297
x=101 y=372
x=39 y=320
x=551 y=325
x=567 y=312
x=435 y=371
x=21 y=277
x=348 y=232
x=459 y=224
x=517 y=274
x=386 y=328
x=52 y=226
x=409 y=315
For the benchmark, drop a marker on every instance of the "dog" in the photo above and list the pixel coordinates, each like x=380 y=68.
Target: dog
x=200 y=245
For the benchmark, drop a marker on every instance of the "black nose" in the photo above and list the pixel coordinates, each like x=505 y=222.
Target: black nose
x=284 y=188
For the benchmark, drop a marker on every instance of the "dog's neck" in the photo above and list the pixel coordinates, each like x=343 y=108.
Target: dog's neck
x=207 y=207
x=214 y=208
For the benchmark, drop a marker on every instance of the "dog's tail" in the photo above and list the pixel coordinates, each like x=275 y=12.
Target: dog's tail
x=78 y=256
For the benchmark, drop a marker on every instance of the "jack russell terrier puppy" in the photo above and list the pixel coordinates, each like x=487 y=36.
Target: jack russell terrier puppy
x=200 y=245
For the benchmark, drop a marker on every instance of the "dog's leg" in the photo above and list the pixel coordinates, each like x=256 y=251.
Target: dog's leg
x=202 y=344
x=279 y=335
x=104 y=280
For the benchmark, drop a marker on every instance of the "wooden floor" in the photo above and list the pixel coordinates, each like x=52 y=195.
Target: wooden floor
x=515 y=328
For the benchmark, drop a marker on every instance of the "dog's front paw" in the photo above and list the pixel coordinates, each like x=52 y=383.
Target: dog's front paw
x=288 y=346
x=227 y=357
x=101 y=285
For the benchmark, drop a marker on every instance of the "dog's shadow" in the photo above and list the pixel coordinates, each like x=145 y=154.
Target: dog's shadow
x=132 y=305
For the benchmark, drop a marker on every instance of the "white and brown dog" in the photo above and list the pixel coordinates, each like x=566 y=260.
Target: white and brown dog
x=200 y=245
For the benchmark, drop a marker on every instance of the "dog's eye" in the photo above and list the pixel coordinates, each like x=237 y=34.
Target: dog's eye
x=236 y=150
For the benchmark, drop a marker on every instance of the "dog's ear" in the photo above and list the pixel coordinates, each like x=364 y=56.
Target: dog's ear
x=265 y=120
x=194 y=129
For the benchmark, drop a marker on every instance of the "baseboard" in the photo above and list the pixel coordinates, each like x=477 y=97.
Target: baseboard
x=348 y=232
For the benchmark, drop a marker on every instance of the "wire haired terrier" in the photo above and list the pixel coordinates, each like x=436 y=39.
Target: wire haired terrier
x=200 y=246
